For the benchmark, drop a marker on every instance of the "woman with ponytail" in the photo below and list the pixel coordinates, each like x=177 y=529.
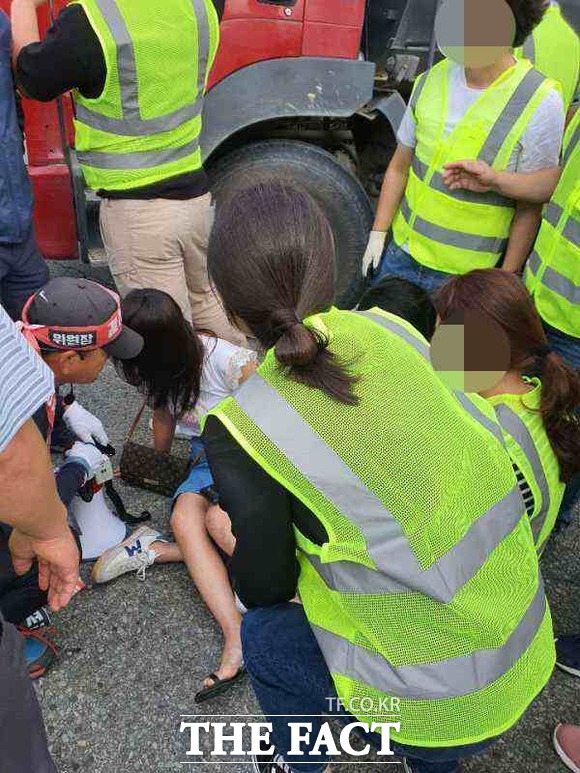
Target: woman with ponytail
x=543 y=438
x=352 y=479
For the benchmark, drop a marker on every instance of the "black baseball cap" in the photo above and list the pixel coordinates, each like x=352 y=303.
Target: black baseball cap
x=70 y=313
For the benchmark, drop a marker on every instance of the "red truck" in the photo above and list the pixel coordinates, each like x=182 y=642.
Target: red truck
x=308 y=90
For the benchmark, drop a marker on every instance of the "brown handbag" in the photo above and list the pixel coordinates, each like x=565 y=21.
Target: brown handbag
x=146 y=468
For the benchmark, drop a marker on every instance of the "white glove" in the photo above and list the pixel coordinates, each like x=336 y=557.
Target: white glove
x=374 y=251
x=84 y=425
x=86 y=454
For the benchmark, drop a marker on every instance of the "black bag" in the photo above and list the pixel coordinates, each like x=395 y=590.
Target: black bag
x=146 y=468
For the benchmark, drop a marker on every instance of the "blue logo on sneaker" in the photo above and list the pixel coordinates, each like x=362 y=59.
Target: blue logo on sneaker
x=133 y=549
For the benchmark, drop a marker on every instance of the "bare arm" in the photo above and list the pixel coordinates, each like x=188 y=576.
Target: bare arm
x=24 y=24
x=29 y=499
x=522 y=235
x=31 y=505
x=393 y=187
x=533 y=187
x=164 y=423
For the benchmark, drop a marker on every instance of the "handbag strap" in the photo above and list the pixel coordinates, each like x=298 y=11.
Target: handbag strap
x=135 y=422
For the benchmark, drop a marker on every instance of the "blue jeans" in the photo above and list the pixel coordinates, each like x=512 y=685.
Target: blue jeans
x=566 y=346
x=23 y=271
x=397 y=262
x=569 y=350
x=292 y=683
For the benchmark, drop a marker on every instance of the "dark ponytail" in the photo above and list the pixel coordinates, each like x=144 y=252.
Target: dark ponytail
x=271 y=257
x=502 y=297
x=560 y=409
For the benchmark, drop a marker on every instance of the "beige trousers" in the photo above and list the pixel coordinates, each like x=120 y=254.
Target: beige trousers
x=162 y=243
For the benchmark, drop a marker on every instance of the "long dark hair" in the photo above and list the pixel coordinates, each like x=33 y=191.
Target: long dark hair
x=271 y=257
x=503 y=297
x=168 y=369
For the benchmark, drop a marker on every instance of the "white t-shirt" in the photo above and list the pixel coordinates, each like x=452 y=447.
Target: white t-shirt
x=220 y=377
x=539 y=146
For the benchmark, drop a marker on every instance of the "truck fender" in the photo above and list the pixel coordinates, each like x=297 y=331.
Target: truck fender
x=284 y=88
x=392 y=107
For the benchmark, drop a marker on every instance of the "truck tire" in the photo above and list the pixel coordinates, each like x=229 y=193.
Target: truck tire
x=339 y=194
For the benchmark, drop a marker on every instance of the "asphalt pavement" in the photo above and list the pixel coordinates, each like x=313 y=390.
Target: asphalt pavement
x=133 y=653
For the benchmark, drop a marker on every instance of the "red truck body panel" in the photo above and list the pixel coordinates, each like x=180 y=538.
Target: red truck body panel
x=251 y=31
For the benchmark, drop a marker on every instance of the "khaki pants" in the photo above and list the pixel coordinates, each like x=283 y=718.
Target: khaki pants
x=162 y=243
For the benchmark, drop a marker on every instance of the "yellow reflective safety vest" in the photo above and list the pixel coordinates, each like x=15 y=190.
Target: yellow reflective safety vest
x=552 y=272
x=428 y=588
x=531 y=453
x=145 y=126
x=458 y=231
x=554 y=49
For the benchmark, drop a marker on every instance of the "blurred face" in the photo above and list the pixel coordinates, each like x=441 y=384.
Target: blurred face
x=475 y=33
x=76 y=367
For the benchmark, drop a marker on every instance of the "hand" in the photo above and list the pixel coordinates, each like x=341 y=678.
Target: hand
x=35 y=3
x=58 y=564
x=374 y=251
x=84 y=425
x=88 y=455
x=470 y=176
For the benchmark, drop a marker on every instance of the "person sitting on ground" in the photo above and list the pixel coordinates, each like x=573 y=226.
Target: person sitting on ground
x=350 y=472
x=537 y=412
x=74 y=325
x=405 y=299
x=183 y=374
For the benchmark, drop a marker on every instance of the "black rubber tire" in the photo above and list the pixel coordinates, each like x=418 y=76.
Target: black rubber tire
x=340 y=195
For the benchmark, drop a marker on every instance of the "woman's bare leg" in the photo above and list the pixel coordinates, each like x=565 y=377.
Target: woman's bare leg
x=219 y=527
x=208 y=572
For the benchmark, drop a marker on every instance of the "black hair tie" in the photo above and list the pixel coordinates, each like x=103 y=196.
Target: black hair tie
x=541 y=352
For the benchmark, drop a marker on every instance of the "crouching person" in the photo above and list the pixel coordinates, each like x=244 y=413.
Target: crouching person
x=184 y=373
x=74 y=325
x=410 y=547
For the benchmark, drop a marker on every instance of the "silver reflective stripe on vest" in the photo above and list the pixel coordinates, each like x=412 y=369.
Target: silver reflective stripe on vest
x=443 y=679
x=529 y=50
x=398 y=330
x=387 y=545
x=452 y=238
x=510 y=114
x=571 y=231
x=518 y=430
x=471 y=197
x=552 y=213
x=137 y=127
x=131 y=124
x=417 y=92
x=534 y=262
x=479 y=416
x=571 y=147
x=560 y=284
x=138 y=160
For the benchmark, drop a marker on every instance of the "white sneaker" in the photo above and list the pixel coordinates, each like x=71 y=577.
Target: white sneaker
x=132 y=555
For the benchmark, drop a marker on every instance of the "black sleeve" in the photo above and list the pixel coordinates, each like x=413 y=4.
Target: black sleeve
x=69 y=57
x=264 y=564
x=219 y=6
x=69 y=480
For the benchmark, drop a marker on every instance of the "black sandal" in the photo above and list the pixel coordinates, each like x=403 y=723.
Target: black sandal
x=219 y=686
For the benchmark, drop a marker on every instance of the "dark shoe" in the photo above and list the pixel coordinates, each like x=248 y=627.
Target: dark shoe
x=39 y=651
x=39 y=619
x=219 y=685
x=568 y=654
x=270 y=763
